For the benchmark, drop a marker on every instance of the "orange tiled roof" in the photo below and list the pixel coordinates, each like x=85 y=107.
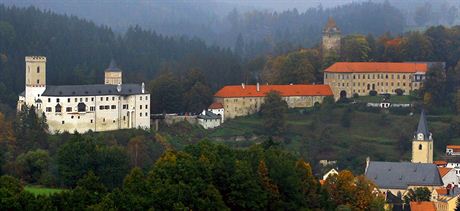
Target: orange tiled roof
x=394 y=42
x=321 y=181
x=440 y=162
x=442 y=191
x=422 y=206
x=377 y=67
x=284 y=90
x=453 y=146
x=216 y=105
x=443 y=171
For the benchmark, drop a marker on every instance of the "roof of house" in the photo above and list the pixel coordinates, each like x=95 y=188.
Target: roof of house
x=216 y=105
x=442 y=191
x=400 y=175
x=208 y=115
x=443 y=171
x=440 y=162
x=92 y=90
x=422 y=206
x=453 y=147
x=284 y=90
x=423 y=125
x=377 y=67
x=113 y=67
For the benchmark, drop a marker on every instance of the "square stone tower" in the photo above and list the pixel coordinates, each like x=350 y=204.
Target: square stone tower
x=35 y=78
x=331 y=41
x=113 y=74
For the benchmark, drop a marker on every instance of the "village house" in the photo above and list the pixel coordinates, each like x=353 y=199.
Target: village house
x=349 y=78
x=246 y=99
x=96 y=107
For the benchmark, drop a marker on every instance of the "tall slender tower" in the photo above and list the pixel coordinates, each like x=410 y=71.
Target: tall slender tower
x=422 y=144
x=331 y=38
x=35 y=78
x=113 y=74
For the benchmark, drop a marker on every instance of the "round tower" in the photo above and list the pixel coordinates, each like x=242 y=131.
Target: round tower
x=113 y=74
x=331 y=38
x=35 y=78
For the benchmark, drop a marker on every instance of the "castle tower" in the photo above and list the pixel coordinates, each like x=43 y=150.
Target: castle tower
x=422 y=144
x=113 y=74
x=331 y=38
x=35 y=78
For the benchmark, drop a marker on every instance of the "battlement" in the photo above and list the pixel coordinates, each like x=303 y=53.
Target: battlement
x=35 y=59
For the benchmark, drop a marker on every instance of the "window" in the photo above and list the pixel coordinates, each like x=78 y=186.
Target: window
x=106 y=98
x=113 y=98
x=113 y=107
x=68 y=109
x=38 y=69
x=76 y=100
x=101 y=107
x=106 y=107
x=63 y=122
x=58 y=108
x=125 y=106
x=124 y=118
x=103 y=120
x=71 y=117
x=102 y=99
x=140 y=107
x=92 y=99
x=91 y=108
x=81 y=107
x=81 y=99
x=386 y=76
x=38 y=81
x=141 y=97
x=48 y=109
x=146 y=106
x=86 y=99
x=49 y=100
x=68 y=100
x=91 y=121
x=146 y=114
x=57 y=100
x=140 y=114
x=404 y=76
x=420 y=147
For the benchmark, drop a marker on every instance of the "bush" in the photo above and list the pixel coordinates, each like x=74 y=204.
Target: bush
x=372 y=93
x=399 y=92
x=400 y=111
x=355 y=96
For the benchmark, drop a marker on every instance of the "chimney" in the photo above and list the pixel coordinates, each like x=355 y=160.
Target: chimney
x=258 y=86
x=242 y=85
x=118 y=88
x=143 y=88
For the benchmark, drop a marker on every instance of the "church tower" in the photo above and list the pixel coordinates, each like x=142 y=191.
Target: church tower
x=113 y=74
x=35 y=78
x=422 y=144
x=331 y=38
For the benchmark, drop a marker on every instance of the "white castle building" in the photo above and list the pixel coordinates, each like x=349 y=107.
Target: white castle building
x=97 y=107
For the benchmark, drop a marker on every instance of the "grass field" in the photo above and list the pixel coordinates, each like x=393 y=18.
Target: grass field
x=41 y=190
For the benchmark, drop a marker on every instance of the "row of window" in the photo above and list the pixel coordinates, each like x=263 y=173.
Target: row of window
x=103 y=120
x=86 y=99
x=373 y=85
x=368 y=76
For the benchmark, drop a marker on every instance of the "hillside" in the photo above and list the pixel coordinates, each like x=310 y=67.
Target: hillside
x=320 y=134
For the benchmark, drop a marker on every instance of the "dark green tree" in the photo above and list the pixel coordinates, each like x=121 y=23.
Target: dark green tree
x=273 y=114
x=418 y=194
x=166 y=93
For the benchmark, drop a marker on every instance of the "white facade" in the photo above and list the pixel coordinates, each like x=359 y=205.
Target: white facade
x=450 y=178
x=88 y=107
x=209 y=120
x=218 y=111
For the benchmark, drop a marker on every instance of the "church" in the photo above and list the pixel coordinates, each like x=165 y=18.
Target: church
x=81 y=108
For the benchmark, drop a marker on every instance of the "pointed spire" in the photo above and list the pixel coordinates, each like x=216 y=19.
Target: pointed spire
x=331 y=26
x=113 y=67
x=423 y=125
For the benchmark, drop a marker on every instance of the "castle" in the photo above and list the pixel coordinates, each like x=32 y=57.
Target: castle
x=96 y=107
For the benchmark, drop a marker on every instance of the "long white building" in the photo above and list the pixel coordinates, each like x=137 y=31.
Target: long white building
x=97 y=107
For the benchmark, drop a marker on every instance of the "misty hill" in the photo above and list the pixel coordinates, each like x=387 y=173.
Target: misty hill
x=265 y=26
x=78 y=51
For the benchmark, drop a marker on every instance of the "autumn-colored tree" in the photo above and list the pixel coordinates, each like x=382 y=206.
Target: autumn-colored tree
x=266 y=182
x=309 y=184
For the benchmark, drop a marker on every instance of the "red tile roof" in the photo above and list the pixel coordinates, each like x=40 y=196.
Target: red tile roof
x=442 y=191
x=284 y=90
x=422 y=206
x=455 y=148
x=377 y=67
x=440 y=162
x=443 y=171
x=216 y=105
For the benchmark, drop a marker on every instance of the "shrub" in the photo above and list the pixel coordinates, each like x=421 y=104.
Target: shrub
x=399 y=92
x=372 y=93
x=355 y=96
